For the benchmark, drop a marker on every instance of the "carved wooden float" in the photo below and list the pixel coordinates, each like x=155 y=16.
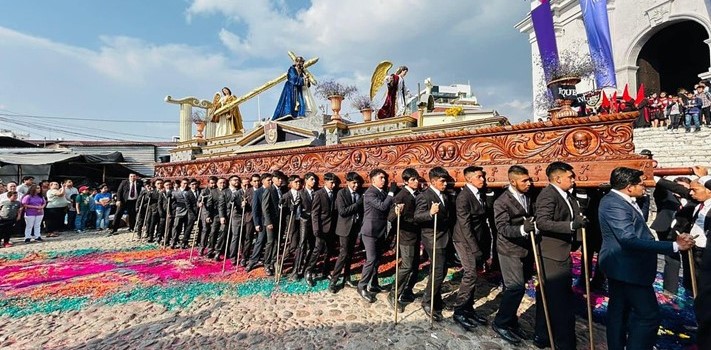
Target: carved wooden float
x=593 y=145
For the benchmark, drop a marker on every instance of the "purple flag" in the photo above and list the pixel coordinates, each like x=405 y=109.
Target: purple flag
x=542 y=18
x=597 y=28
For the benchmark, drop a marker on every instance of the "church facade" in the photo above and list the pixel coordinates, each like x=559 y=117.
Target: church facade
x=663 y=44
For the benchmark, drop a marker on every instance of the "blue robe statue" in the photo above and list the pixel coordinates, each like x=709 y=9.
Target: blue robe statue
x=291 y=103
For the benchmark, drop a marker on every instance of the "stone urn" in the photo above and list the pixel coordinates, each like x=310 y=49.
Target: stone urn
x=336 y=106
x=367 y=114
x=564 y=98
x=200 y=128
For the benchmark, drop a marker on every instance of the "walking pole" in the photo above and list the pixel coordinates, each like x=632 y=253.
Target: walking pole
x=281 y=213
x=227 y=242
x=140 y=206
x=587 y=288
x=432 y=271
x=397 y=263
x=166 y=238
x=239 y=243
x=692 y=271
x=543 y=291
x=145 y=219
x=286 y=244
x=195 y=226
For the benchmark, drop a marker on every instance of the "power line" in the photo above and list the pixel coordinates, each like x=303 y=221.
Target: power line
x=13 y=114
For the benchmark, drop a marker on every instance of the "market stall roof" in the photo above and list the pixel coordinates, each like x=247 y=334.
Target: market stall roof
x=35 y=156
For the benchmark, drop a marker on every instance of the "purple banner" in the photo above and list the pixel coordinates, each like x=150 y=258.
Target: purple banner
x=597 y=29
x=542 y=18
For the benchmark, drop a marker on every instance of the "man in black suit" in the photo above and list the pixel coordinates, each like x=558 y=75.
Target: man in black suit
x=470 y=228
x=126 y=197
x=629 y=258
x=165 y=212
x=233 y=198
x=376 y=207
x=669 y=204
x=558 y=218
x=152 y=214
x=409 y=239
x=305 y=242
x=513 y=213
x=292 y=212
x=323 y=217
x=249 y=185
x=185 y=208
x=430 y=203
x=195 y=189
x=259 y=222
x=271 y=210
x=211 y=214
x=349 y=204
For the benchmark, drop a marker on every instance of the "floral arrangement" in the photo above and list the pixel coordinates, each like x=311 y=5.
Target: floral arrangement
x=198 y=117
x=570 y=64
x=330 y=88
x=454 y=111
x=362 y=102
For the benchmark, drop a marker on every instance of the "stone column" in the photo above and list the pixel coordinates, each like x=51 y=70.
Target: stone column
x=186 y=125
x=707 y=75
x=627 y=75
x=210 y=129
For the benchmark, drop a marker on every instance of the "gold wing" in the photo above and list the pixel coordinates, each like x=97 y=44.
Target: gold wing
x=379 y=75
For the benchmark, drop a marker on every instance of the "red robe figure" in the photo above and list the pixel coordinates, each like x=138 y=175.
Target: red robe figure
x=394 y=104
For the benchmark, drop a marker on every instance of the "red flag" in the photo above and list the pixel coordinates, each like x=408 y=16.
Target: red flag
x=605 y=100
x=614 y=106
x=640 y=95
x=626 y=94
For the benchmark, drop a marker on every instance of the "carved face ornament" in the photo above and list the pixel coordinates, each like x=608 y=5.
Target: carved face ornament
x=581 y=141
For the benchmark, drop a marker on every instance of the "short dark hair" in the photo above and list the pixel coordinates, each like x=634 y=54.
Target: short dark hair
x=517 y=170
x=310 y=175
x=410 y=173
x=377 y=171
x=12 y=182
x=353 y=176
x=212 y=178
x=557 y=167
x=622 y=177
x=25 y=178
x=472 y=169
x=293 y=177
x=683 y=179
x=330 y=177
x=265 y=176
x=438 y=173
x=154 y=182
x=255 y=176
x=194 y=181
x=279 y=174
x=11 y=193
x=234 y=176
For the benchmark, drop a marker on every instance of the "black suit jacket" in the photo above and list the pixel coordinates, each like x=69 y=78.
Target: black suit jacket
x=322 y=214
x=270 y=207
x=248 y=209
x=667 y=206
x=185 y=203
x=509 y=215
x=347 y=212
x=306 y=203
x=445 y=218
x=376 y=207
x=124 y=189
x=471 y=224
x=553 y=219
x=409 y=228
x=258 y=214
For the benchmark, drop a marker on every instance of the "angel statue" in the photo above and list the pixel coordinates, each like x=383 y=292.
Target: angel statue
x=394 y=104
x=228 y=122
x=296 y=100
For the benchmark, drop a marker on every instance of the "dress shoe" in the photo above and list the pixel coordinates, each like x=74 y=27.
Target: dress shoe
x=464 y=321
x=250 y=267
x=269 y=270
x=332 y=288
x=436 y=315
x=174 y=246
x=367 y=296
x=351 y=283
x=541 y=343
x=211 y=255
x=391 y=301
x=522 y=334
x=472 y=315
x=243 y=263
x=218 y=258
x=310 y=280
x=150 y=240
x=184 y=246
x=294 y=277
x=407 y=297
x=506 y=334
x=377 y=289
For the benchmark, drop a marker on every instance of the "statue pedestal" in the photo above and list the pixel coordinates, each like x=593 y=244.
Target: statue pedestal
x=187 y=150
x=223 y=145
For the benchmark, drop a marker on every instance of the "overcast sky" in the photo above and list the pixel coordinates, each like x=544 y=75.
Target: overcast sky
x=65 y=61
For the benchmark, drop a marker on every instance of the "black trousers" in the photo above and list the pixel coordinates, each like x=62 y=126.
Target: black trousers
x=702 y=303
x=211 y=233
x=465 y=296
x=54 y=218
x=409 y=267
x=180 y=225
x=128 y=206
x=439 y=270
x=633 y=316
x=236 y=228
x=265 y=243
x=7 y=226
x=320 y=246
x=557 y=277
x=345 y=256
x=248 y=236
x=152 y=224
x=140 y=219
x=515 y=273
x=304 y=244
x=374 y=247
x=706 y=112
